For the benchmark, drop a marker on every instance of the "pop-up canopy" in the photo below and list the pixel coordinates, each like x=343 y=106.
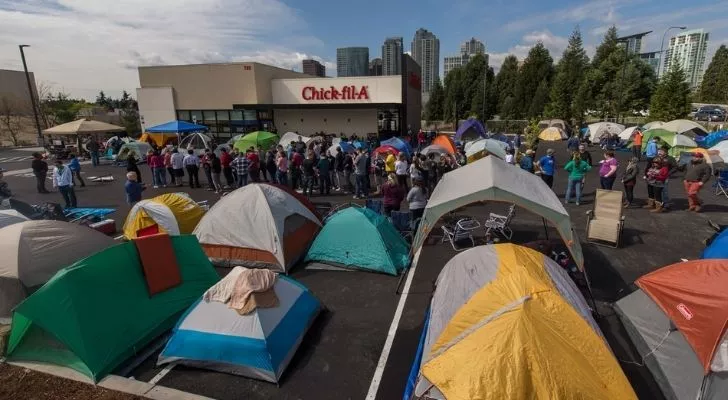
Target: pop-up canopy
x=176 y=127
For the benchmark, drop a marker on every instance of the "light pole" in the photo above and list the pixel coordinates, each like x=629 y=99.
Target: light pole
x=30 y=92
x=662 y=46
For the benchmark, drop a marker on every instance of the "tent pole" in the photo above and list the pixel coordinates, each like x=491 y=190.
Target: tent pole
x=545 y=228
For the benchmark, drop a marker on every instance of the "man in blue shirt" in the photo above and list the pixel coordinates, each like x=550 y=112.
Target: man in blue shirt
x=547 y=164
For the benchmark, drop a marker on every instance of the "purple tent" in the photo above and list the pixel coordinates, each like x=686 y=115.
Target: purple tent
x=471 y=129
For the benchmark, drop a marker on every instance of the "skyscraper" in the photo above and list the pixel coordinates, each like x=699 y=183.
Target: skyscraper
x=392 y=56
x=652 y=59
x=467 y=49
x=426 y=51
x=375 y=67
x=688 y=50
x=352 y=61
x=313 y=67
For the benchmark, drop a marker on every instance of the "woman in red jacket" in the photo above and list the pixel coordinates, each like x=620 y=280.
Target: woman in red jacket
x=393 y=195
x=656 y=176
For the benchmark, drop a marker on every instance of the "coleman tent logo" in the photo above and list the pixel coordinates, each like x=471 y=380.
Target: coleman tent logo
x=332 y=93
x=685 y=311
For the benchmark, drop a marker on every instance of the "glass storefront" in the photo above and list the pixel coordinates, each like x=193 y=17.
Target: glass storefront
x=224 y=124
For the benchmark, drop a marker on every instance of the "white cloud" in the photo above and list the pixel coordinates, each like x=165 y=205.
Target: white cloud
x=593 y=10
x=90 y=45
x=554 y=43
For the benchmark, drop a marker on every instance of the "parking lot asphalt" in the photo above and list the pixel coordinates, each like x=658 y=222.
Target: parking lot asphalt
x=339 y=356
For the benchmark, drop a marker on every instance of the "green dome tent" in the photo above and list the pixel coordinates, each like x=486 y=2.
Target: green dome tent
x=359 y=238
x=258 y=139
x=97 y=313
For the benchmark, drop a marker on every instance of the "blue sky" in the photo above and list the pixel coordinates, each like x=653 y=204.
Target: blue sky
x=83 y=46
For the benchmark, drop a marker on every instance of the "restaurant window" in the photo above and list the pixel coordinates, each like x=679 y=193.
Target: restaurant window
x=208 y=119
x=196 y=116
x=223 y=122
x=184 y=116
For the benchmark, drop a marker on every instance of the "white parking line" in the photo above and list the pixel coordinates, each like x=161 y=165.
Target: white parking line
x=162 y=373
x=377 y=378
x=14 y=159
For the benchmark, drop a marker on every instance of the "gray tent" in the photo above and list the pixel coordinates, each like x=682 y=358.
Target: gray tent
x=666 y=353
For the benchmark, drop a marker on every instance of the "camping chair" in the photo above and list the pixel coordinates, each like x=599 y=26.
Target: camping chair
x=457 y=233
x=721 y=183
x=501 y=223
x=375 y=205
x=401 y=221
x=605 y=222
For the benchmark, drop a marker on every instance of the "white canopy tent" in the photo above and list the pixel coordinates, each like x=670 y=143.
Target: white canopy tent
x=492 y=179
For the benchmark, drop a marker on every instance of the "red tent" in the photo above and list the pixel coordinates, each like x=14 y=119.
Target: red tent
x=694 y=295
x=384 y=149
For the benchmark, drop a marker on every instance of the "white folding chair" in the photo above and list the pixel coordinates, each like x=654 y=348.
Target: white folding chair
x=501 y=223
x=456 y=234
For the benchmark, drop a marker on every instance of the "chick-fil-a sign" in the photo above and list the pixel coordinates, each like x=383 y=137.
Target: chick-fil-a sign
x=351 y=92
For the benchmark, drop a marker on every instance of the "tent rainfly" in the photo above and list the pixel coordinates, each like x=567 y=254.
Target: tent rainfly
x=600 y=129
x=493 y=179
x=83 y=127
x=446 y=142
x=685 y=127
x=171 y=213
x=398 y=144
x=503 y=319
x=471 y=129
x=552 y=134
x=9 y=217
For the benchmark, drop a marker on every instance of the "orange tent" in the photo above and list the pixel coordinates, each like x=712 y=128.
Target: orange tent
x=446 y=143
x=693 y=295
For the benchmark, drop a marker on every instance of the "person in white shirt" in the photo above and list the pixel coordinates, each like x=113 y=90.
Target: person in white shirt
x=192 y=163
x=178 y=167
x=510 y=158
x=63 y=180
x=400 y=169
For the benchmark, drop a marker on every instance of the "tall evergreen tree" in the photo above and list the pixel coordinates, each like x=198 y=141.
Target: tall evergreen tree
x=714 y=88
x=505 y=83
x=607 y=63
x=436 y=103
x=672 y=96
x=569 y=74
x=455 y=106
x=485 y=100
x=540 y=98
x=537 y=68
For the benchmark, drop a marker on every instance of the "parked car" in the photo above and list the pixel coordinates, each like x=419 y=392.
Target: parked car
x=710 y=115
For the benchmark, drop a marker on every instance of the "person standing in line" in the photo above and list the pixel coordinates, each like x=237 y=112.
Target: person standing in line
x=526 y=162
x=178 y=166
x=216 y=171
x=131 y=166
x=75 y=168
x=270 y=165
x=241 y=165
x=637 y=144
x=650 y=152
x=63 y=180
x=671 y=163
x=629 y=180
x=225 y=161
x=400 y=169
x=547 y=164
x=389 y=163
x=93 y=149
x=696 y=177
x=160 y=173
x=576 y=169
x=282 y=169
x=393 y=194
x=656 y=176
x=572 y=144
x=133 y=189
x=608 y=170
x=205 y=163
x=585 y=155
x=40 y=171
x=348 y=171
x=323 y=168
x=168 y=166
x=192 y=163
x=417 y=201
x=261 y=164
x=339 y=167
x=295 y=169
x=309 y=169
x=360 y=171
x=254 y=168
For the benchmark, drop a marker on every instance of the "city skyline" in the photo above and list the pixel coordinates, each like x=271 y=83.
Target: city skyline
x=467 y=48
x=688 y=50
x=392 y=50
x=425 y=50
x=114 y=39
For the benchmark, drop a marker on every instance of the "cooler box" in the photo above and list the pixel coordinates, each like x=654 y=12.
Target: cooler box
x=107 y=226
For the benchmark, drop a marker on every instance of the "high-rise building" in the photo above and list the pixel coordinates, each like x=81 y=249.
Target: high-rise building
x=652 y=59
x=467 y=49
x=375 y=67
x=313 y=67
x=392 y=56
x=426 y=52
x=688 y=50
x=352 y=61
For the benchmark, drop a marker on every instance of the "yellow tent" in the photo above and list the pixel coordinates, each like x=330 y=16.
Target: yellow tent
x=160 y=139
x=551 y=134
x=520 y=336
x=171 y=213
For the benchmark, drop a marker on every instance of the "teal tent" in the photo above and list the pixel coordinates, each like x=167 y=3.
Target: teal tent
x=359 y=238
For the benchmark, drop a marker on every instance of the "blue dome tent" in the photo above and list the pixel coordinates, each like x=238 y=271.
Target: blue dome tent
x=718 y=248
x=398 y=144
x=471 y=129
x=712 y=139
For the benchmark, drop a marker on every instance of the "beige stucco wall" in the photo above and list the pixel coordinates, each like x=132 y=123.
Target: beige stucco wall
x=14 y=88
x=306 y=122
x=156 y=106
x=215 y=86
x=381 y=89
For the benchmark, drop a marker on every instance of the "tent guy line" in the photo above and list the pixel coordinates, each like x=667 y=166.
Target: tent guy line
x=382 y=363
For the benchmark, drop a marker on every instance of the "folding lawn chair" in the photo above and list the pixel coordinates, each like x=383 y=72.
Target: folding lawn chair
x=401 y=221
x=375 y=205
x=605 y=222
x=501 y=223
x=455 y=234
x=721 y=183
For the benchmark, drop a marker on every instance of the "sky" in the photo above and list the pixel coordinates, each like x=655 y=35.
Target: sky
x=83 y=46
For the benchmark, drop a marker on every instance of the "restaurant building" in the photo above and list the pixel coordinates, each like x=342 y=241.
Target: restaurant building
x=234 y=98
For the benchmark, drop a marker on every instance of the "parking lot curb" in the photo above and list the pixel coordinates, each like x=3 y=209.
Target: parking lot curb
x=114 y=382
